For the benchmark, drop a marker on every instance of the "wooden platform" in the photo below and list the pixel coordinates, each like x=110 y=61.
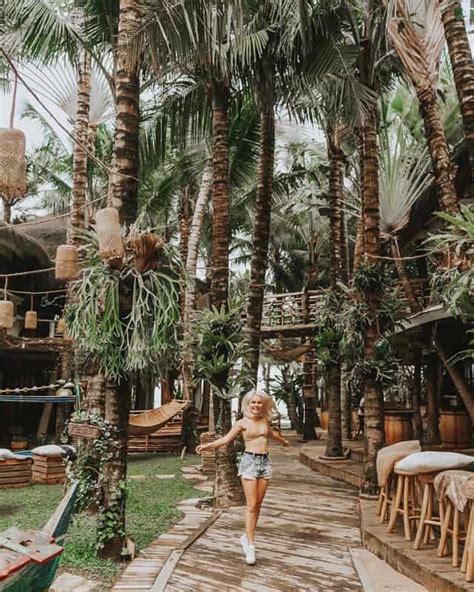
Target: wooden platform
x=48 y=469
x=15 y=473
x=308 y=525
x=350 y=471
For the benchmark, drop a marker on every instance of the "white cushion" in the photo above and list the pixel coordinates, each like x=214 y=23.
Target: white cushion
x=6 y=454
x=432 y=460
x=48 y=450
x=410 y=446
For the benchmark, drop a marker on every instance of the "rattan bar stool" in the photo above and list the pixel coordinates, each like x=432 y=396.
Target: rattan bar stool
x=427 y=518
x=467 y=564
x=405 y=502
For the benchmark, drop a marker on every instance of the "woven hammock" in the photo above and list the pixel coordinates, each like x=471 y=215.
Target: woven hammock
x=148 y=422
x=12 y=164
x=288 y=355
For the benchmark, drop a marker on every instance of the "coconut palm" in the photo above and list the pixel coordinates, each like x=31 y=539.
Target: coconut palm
x=462 y=64
x=416 y=32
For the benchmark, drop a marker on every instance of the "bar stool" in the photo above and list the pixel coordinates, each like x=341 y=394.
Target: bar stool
x=449 y=487
x=467 y=564
x=386 y=459
x=427 y=519
x=405 y=502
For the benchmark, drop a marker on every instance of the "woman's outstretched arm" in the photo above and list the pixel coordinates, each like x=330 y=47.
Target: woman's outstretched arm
x=231 y=435
x=277 y=437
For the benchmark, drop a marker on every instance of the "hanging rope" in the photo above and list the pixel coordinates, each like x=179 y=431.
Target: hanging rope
x=12 y=111
x=92 y=156
x=19 y=273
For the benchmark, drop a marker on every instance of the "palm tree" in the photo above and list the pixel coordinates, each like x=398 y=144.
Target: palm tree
x=416 y=32
x=462 y=64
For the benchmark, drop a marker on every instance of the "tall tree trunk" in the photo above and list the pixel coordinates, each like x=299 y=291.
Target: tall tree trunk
x=334 y=438
x=417 y=426
x=432 y=409
x=334 y=441
x=439 y=151
x=359 y=245
x=261 y=236
x=291 y=402
x=227 y=487
x=346 y=412
x=402 y=272
x=200 y=208
x=184 y=225
x=123 y=190
x=463 y=67
x=77 y=221
x=373 y=399
x=127 y=122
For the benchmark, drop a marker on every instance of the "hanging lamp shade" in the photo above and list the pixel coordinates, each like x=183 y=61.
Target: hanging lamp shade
x=60 y=327
x=12 y=164
x=67 y=262
x=107 y=225
x=7 y=314
x=31 y=319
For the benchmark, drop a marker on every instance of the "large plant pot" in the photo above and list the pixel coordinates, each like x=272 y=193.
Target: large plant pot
x=455 y=428
x=324 y=417
x=398 y=425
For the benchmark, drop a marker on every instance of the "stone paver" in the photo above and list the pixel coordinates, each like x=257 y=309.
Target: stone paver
x=67 y=582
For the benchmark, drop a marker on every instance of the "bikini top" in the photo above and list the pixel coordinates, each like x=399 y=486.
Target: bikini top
x=262 y=435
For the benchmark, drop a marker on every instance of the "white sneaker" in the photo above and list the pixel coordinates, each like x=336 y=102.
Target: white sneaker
x=244 y=543
x=250 y=555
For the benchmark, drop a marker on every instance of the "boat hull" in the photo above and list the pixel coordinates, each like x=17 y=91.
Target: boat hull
x=31 y=578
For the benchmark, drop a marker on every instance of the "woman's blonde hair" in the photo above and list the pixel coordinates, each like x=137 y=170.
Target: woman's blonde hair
x=269 y=409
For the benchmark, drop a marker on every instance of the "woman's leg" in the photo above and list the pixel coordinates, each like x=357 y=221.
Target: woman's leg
x=252 y=510
x=262 y=485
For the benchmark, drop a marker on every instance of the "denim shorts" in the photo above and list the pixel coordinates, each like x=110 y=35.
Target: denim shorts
x=255 y=466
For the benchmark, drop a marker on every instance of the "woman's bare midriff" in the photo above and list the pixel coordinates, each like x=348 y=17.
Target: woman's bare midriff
x=255 y=435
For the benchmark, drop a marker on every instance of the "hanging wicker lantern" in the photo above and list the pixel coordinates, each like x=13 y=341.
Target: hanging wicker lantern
x=67 y=262
x=31 y=319
x=7 y=314
x=107 y=225
x=12 y=164
x=60 y=327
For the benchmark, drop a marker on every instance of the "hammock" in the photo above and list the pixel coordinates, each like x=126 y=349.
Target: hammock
x=287 y=355
x=143 y=424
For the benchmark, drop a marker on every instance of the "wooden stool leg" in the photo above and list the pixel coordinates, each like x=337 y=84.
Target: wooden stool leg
x=429 y=514
x=456 y=538
x=396 y=504
x=424 y=511
x=442 y=547
x=470 y=551
x=406 y=508
x=381 y=500
x=469 y=529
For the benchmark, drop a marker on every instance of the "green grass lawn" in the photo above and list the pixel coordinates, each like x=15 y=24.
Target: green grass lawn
x=151 y=510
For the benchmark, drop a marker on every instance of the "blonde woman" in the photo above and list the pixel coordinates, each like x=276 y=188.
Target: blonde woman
x=255 y=469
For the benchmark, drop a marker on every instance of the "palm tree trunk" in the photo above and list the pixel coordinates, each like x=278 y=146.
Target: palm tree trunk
x=334 y=441
x=439 y=150
x=373 y=406
x=404 y=278
x=359 y=246
x=81 y=132
x=123 y=190
x=346 y=412
x=261 y=236
x=335 y=159
x=432 y=409
x=190 y=288
x=111 y=518
x=463 y=66
x=127 y=122
x=227 y=487
x=417 y=425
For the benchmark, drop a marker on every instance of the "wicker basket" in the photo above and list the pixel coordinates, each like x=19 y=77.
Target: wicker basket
x=7 y=314
x=108 y=231
x=12 y=164
x=67 y=262
x=31 y=319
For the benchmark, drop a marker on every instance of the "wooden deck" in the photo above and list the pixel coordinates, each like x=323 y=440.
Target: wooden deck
x=307 y=527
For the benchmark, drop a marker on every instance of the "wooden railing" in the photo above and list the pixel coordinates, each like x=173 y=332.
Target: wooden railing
x=290 y=309
x=298 y=309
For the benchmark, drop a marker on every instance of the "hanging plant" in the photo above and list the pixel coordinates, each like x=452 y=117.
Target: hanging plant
x=126 y=319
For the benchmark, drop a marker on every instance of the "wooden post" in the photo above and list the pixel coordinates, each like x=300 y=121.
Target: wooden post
x=417 y=426
x=432 y=409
